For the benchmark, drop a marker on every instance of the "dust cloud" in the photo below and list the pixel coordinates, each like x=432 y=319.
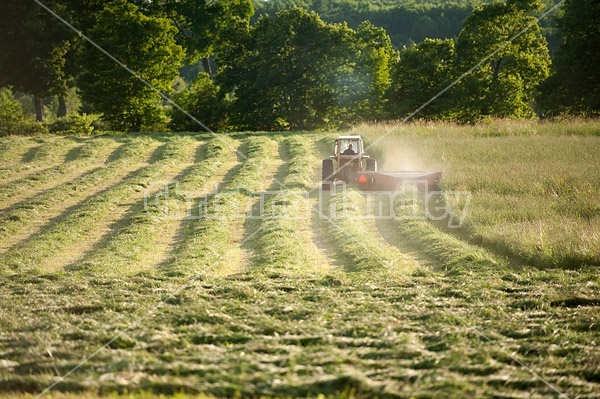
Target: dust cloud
x=397 y=155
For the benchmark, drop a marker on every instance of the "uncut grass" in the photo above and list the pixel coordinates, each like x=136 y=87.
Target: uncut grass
x=210 y=245
x=151 y=224
x=23 y=218
x=283 y=244
x=80 y=160
x=534 y=186
x=52 y=246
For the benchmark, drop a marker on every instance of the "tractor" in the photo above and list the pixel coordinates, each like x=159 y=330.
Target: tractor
x=352 y=165
x=350 y=158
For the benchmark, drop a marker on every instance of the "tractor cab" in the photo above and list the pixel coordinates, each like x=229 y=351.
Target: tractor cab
x=348 y=155
x=348 y=146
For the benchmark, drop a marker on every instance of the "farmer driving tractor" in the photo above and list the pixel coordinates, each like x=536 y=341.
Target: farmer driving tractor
x=349 y=150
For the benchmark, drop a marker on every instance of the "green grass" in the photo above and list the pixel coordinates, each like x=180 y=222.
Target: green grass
x=12 y=152
x=211 y=241
x=70 y=228
x=143 y=233
x=283 y=240
x=357 y=238
x=79 y=161
x=20 y=219
x=149 y=395
x=297 y=307
x=24 y=159
x=534 y=186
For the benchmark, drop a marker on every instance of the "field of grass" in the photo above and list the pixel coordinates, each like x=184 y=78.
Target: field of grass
x=535 y=187
x=200 y=266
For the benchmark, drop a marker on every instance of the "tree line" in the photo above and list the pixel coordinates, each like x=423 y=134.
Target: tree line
x=291 y=69
x=406 y=23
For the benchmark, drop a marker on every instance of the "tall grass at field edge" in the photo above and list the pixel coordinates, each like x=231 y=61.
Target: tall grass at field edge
x=533 y=186
x=490 y=128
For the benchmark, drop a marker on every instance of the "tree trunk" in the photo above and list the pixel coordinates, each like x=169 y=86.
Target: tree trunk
x=207 y=67
x=62 y=107
x=39 y=108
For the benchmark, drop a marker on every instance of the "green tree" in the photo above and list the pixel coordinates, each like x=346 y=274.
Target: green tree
x=371 y=57
x=424 y=27
x=287 y=76
x=147 y=46
x=33 y=51
x=203 y=25
x=574 y=87
x=295 y=71
x=201 y=100
x=420 y=73
x=12 y=119
x=505 y=84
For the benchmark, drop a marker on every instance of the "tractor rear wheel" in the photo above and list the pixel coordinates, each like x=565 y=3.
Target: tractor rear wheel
x=327 y=174
x=371 y=165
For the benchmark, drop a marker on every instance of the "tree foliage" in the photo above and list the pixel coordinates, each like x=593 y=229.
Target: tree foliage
x=404 y=22
x=504 y=85
x=420 y=73
x=33 y=50
x=147 y=46
x=201 y=100
x=574 y=87
x=201 y=25
x=12 y=119
x=325 y=64
x=374 y=57
x=295 y=71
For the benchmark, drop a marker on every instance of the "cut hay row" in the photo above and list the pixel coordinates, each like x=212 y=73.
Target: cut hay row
x=464 y=324
x=23 y=218
x=12 y=149
x=12 y=152
x=346 y=220
x=35 y=155
x=48 y=150
x=347 y=226
x=79 y=161
x=449 y=251
x=151 y=224
x=284 y=243
x=63 y=241
x=211 y=245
